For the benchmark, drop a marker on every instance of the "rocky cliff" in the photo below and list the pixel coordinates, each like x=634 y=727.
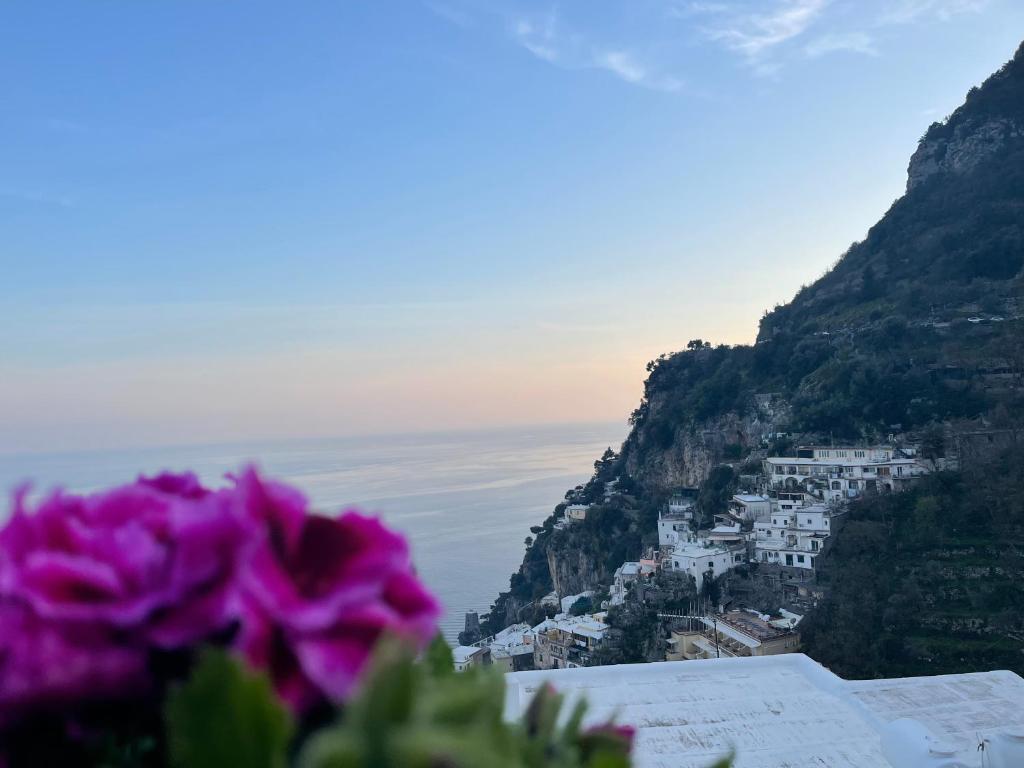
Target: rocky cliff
x=991 y=118
x=869 y=349
x=971 y=143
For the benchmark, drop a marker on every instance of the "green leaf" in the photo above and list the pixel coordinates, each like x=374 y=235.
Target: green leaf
x=438 y=657
x=226 y=715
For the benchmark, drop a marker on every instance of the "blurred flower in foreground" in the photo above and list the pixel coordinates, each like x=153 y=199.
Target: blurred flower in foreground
x=318 y=592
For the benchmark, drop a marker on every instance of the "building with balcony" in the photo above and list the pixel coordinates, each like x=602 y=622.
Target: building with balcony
x=838 y=474
x=794 y=537
x=512 y=648
x=702 y=561
x=750 y=506
x=565 y=642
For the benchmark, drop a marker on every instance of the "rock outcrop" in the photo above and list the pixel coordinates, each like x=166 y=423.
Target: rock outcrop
x=970 y=144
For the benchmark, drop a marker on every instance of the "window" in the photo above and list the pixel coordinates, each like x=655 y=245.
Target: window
x=799 y=558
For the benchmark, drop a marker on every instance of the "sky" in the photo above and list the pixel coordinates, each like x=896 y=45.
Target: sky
x=227 y=220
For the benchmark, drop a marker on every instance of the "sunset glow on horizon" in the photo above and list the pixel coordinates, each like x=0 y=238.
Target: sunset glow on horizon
x=351 y=219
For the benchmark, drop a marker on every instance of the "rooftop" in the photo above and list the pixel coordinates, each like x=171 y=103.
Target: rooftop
x=782 y=711
x=629 y=568
x=692 y=549
x=463 y=653
x=586 y=625
x=750 y=625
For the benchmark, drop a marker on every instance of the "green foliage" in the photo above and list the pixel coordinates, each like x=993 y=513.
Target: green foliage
x=438 y=657
x=411 y=715
x=581 y=606
x=226 y=715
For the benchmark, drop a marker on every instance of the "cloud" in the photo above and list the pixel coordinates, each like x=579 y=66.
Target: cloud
x=754 y=35
x=909 y=11
x=539 y=38
x=547 y=39
x=853 y=42
x=624 y=66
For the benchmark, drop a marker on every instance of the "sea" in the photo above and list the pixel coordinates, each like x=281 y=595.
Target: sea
x=465 y=500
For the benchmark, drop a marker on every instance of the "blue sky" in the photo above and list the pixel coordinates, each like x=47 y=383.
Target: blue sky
x=238 y=220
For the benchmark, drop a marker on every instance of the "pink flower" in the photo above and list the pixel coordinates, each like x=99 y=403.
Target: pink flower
x=623 y=733
x=318 y=592
x=45 y=666
x=154 y=560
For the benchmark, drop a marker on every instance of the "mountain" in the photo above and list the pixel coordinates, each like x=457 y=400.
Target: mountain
x=917 y=331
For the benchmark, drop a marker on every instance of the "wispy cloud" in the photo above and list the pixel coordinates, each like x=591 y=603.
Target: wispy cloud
x=852 y=42
x=909 y=11
x=624 y=66
x=547 y=38
x=539 y=37
x=754 y=35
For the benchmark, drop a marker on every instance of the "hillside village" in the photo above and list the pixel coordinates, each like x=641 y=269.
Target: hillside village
x=774 y=529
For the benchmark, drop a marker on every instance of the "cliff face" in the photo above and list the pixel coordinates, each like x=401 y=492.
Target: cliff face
x=972 y=142
x=694 y=452
x=991 y=118
x=575 y=570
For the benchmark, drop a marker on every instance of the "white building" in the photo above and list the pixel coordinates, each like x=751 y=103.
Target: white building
x=792 y=537
x=787 y=710
x=576 y=512
x=512 y=648
x=724 y=536
x=466 y=656
x=702 y=561
x=681 y=504
x=565 y=642
x=750 y=506
x=837 y=474
x=626 y=574
x=673 y=529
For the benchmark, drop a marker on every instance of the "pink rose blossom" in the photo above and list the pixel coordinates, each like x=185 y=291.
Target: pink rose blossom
x=318 y=592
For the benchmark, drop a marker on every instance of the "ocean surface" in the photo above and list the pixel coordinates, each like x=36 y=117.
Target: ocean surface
x=466 y=500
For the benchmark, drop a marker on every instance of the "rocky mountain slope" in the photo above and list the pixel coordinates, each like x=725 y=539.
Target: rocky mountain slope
x=917 y=329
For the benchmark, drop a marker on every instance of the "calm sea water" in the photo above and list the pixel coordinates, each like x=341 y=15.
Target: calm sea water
x=466 y=500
